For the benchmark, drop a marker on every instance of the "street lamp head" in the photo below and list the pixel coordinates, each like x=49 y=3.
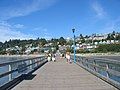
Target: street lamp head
x=73 y=30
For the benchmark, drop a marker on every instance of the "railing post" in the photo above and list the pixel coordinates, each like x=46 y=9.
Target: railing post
x=36 y=64
x=38 y=59
x=31 y=64
x=10 y=69
x=94 y=66
x=107 y=67
x=86 y=60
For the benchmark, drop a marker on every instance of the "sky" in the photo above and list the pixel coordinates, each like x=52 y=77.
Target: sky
x=30 y=19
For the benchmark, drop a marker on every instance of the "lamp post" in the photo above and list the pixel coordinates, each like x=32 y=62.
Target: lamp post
x=74 y=44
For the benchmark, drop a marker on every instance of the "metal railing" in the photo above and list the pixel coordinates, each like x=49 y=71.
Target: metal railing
x=108 y=70
x=9 y=71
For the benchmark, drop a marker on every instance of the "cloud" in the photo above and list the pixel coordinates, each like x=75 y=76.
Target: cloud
x=42 y=32
x=13 y=31
x=23 y=8
x=19 y=26
x=8 y=32
x=17 y=8
x=98 y=9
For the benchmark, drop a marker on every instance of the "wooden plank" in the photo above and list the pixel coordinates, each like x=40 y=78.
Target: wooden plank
x=61 y=75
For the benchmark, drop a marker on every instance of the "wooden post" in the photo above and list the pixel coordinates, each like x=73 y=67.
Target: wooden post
x=37 y=60
x=107 y=67
x=31 y=64
x=94 y=66
x=10 y=69
x=87 y=63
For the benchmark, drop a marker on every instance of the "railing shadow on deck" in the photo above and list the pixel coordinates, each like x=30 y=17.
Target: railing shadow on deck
x=29 y=77
x=12 y=73
x=104 y=69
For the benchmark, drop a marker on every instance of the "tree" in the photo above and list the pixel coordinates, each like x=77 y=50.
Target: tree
x=23 y=49
x=62 y=41
x=70 y=42
x=13 y=52
x=109 y=37
x=83 y=41
x=88 y=41
x=82 y=38
x=54 y=41
x=87 y=36
x=118 y=37
x=43 y=41
x=108 y=48
x=113 y=33
x=1 y=44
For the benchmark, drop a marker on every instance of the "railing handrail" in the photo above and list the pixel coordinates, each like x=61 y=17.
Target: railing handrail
x=23 y=67
x=94 y=67
x=98 y=66
x=114 y=72
x=16 y=61
x=112 y=61
x=14 y=70
x=105 y=60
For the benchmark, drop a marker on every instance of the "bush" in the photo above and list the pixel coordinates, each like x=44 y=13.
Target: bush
x=108 y=48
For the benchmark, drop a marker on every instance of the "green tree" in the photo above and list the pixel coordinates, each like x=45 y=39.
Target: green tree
x=113 y=33
x=82 y=38
x=62 y=41
x=118 y=37
x=109 y=37
x=108 y=48
x=43 y=41
x=13 y=52
x=70 y=42
x=1 y=43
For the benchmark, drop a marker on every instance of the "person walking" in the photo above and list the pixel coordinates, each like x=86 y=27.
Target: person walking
x=68 y=57
x=49 y=57
x=53 y=58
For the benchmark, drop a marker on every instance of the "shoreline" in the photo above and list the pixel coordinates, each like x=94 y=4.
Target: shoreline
x=80 y=54
x=98 y=54
x=31 y=55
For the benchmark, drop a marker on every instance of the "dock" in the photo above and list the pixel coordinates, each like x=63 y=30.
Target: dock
x=61 y=75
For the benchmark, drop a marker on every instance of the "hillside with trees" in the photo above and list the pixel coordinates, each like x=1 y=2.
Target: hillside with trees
x=95 y=43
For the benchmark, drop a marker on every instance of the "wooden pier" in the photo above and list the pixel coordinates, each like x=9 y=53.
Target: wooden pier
x=61 y=75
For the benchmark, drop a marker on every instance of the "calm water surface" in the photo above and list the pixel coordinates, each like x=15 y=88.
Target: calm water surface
x=5 y=68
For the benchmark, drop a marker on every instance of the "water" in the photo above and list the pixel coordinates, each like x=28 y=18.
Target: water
x=7 y=59
x=5 y=68
x=112 y=66
x=108 y=57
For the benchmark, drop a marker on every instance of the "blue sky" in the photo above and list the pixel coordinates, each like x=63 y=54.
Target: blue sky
x=26 y=19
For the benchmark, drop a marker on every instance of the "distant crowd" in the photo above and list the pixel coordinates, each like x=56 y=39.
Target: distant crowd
x=52 y=57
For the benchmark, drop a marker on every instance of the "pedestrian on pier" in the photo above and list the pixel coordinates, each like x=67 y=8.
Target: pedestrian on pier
x=49 y=57
x=53 y=58
x=68 y=57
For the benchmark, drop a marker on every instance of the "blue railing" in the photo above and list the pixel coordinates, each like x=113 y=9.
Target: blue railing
x=11 y=71
x=108 y=70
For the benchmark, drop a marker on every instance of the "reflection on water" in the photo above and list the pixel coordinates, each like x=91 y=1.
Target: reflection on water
x=112 y=66
x=22 y=67
x=116 y=78
x=6 y=68
x=7 y=59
